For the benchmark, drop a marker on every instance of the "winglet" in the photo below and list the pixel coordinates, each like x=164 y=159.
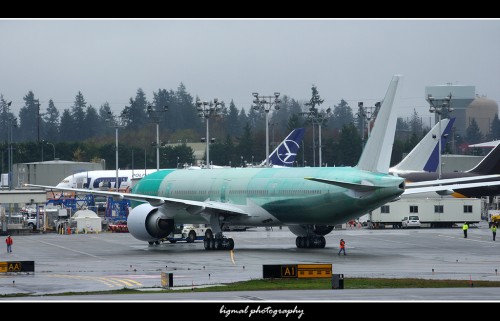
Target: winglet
x=376 y=156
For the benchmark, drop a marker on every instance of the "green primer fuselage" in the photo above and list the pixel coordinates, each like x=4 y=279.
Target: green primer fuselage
x=275 y=196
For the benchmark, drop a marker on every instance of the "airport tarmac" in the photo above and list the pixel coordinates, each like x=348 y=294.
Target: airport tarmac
x=107 y=261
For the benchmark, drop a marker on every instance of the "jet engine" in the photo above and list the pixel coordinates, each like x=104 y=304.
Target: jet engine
x=147 y=223
x=303 y=230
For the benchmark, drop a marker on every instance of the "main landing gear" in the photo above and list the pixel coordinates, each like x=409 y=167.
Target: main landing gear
x=310 y=242
x=217 y=241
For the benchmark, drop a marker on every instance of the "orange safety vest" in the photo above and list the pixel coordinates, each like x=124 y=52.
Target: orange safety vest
x=342 y=244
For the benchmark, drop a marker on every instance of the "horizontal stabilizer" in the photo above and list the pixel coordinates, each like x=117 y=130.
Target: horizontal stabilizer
x=449 y=181
x=418 y=190
x=352 y=186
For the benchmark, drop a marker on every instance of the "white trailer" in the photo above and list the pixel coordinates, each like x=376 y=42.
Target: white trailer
x=432 y=212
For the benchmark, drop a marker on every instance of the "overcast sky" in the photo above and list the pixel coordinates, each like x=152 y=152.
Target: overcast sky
x=108 y=60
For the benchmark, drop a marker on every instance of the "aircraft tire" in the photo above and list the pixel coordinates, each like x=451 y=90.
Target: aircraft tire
x=322 y=242
x=206 y=244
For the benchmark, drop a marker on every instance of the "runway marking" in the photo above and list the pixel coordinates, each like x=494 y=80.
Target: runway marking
x=250 y=297
x=109 y=281
x=68 y=249
x=470 y=239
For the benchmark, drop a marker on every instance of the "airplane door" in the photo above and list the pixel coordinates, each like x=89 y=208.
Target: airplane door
x=223 y=193
x=166 y=192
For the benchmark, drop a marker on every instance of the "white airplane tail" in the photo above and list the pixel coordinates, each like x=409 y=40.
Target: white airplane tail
x=425 y=156
x=376 y=156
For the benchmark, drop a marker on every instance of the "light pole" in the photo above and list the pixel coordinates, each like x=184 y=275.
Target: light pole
x=364 y=114
x=317 y=118
x=206 y=110
x=12 y=121
x=154 y=115
x=117 y=124
x=264 y=105
x=54 y=147
x=45 y=142
x=438 y=106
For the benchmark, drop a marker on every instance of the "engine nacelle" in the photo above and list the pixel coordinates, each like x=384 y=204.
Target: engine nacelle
x=303 y=230
x=146 y=223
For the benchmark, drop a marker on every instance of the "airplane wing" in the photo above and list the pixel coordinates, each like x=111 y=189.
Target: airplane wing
x=451 y=187
x=450 y=180
x=191 y=206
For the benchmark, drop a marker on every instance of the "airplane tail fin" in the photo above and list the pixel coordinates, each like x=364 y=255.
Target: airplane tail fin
x=285 y=153
x=376 y=156
x=490 y=163
x=428 y=147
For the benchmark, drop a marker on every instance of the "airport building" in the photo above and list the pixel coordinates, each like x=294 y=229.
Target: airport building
x=49 y=172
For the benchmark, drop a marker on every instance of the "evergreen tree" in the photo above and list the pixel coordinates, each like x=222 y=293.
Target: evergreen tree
x=315 y=100
x=104 y=115
x=30 y=122
x=243 y=118
x=473 y=133
x=342 y=115
x=495 y=128
x=293 y=122
x=349 y=146
x=245 y=147
x=78 y=116
x=173 y=156
x=415 y=124
x=232 y=123
x=255 y=120
x=92 y=123
x=136 y=112
x=187 y=113
x=5 y=116
x=51 y=119
x=67 y=127
x=165 y=110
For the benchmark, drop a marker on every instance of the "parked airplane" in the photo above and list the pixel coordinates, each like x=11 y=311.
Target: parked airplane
x=310 y=201
x=424 y=156
x=283 y=155
x=486 y=172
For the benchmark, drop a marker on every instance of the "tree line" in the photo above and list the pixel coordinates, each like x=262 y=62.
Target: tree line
x=83 y=132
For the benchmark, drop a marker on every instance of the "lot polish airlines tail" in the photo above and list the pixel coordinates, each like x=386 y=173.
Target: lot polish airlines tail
x=285 y=153
x=424 y=156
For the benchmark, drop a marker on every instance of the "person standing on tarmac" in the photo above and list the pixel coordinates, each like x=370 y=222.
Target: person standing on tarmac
x=9 y=242
x=494 y=230
x=465 y=227
x=342 y=246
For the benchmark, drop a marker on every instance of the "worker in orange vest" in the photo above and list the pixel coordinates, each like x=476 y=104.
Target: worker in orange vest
x=9 y=242
x=342 y=246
